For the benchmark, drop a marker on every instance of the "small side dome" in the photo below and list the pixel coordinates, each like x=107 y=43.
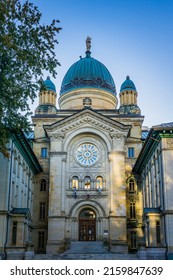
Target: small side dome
x=127 y=85
x=49 y=85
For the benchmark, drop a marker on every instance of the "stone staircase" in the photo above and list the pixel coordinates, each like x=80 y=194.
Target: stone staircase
x=86 y=251
x=91 y=247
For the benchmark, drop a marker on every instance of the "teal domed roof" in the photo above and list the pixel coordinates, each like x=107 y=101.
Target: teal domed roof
x=127 y=85
x=86 y=73
x=49 y=85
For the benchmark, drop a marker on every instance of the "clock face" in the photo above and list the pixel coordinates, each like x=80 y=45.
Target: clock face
x=87 y=154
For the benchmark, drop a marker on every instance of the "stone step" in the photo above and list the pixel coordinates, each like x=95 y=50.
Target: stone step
x=93 y=250
x=106 y=256
x=83 y=247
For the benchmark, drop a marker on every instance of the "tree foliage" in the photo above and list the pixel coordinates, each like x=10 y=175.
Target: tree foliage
x=27 y=47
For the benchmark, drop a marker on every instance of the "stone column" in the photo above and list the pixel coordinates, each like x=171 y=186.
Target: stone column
x=56 y=215
x=152 y=232
x=136 y=98
x=111 y=200
x=117 y=193
x=20 y=233
x=166 y=163
x=57 y=175
x=63 y=181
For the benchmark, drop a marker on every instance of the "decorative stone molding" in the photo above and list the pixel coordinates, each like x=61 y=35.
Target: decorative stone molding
x=86 y=198
x=98 y=82
x=54 y=218
x=57 y=137
x=129 y=109
x=117 y=136
x=83 y=195
x=87 y=101
x=131 y=197
x=54 y=154
x=87 y=120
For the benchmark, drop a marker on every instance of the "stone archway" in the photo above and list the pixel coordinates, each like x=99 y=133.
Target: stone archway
x=101 y=221
x=87 y=225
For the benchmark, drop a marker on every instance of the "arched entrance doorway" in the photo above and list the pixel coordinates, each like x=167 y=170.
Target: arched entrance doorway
x=87 y=225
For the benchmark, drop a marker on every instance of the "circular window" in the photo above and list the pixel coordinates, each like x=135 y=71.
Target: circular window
x=87 y=154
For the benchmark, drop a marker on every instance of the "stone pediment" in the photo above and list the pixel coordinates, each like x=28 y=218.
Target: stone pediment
x=90 y=119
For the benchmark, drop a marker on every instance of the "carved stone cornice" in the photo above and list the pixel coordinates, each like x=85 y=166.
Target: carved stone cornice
x=88 y=120
x=91 y=120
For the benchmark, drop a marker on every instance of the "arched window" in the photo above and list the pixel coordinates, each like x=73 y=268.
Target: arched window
x=75 y=182
x=43 y=185
x=87 y=183
x=99 y=184
x=87 y=214
x=131 y=185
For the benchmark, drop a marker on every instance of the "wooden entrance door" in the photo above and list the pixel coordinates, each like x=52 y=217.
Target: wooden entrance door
x=87 y=230
x=87 y=225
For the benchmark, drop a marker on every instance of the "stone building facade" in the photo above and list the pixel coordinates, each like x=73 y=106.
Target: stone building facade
x=16 y=198
x=154 y=168
x=87 y=149
x=90 y=174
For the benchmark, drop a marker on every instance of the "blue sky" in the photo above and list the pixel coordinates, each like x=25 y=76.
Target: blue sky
x=131 y=37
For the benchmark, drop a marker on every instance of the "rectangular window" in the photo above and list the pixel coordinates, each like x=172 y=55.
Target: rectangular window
x=23 y=173
x=133 y=243
x=131 y=185
x=14 y=163
x=131 y=152
x=132 y=210
x=43 y=185
x=18 y=169
x=42 y=210
x=44 y=152
x=41 y=240
x=158 y=233
x=14 y=233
